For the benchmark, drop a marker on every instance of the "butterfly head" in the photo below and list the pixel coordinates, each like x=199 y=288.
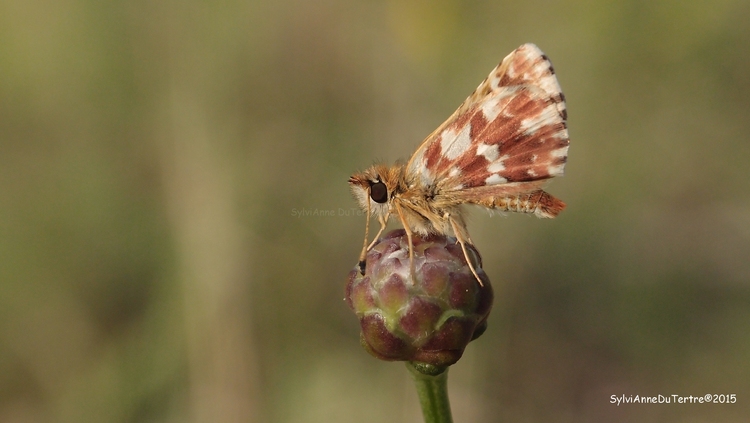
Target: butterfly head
x=374 y=188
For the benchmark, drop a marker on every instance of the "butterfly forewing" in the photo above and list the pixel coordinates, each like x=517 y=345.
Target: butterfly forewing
x=510 y=130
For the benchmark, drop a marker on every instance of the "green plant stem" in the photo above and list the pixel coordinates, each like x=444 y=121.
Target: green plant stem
x=433 y=395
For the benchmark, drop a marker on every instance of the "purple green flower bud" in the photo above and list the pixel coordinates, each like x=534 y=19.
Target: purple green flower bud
x=429 y=318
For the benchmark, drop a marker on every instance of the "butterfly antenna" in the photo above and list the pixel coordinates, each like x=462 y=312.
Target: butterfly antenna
x=462 y=241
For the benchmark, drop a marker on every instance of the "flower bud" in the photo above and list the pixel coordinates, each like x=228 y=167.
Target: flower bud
x=428 y=318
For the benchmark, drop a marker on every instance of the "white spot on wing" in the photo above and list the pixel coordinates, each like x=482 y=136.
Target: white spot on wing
x=453 y=144
x=560 y=152
x=556 y=170
x=419 y=168
x=549 y=115
x=511 y=72
x=497 y=165
x=417 y=165
x=490 y=152
x=491 y=108
x=495 y=179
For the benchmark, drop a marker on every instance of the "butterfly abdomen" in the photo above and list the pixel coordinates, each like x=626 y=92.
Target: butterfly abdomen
x=537 y=202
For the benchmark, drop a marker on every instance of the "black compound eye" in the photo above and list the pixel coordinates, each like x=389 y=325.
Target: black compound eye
x=378 y=192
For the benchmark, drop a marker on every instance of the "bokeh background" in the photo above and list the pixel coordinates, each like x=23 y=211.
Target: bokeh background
x=176 y=226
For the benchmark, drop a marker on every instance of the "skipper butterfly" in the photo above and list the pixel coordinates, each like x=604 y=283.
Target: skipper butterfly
x=497 y=151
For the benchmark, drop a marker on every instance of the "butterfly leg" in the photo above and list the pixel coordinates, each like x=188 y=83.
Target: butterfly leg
x=365 y=248
x=408 y=237
x=463 y=238
x=383 y=222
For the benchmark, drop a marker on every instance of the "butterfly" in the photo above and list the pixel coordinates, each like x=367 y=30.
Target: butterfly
x=497 y=150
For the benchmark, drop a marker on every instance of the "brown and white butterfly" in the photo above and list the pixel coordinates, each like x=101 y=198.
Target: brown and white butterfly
x=497 y=150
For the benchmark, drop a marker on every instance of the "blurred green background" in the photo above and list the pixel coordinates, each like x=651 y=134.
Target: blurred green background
x=161 y=164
